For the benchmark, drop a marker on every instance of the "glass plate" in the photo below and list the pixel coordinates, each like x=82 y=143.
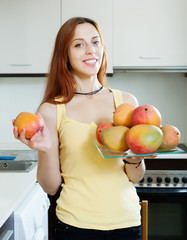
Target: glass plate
x=105 y=153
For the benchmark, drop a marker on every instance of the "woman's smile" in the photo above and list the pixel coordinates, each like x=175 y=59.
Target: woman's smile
x=91 y=62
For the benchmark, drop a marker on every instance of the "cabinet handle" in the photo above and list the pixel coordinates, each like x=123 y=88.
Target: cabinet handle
x=144 y=57
x=21 y=64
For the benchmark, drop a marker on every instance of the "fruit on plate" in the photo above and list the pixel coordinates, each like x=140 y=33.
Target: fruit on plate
x=30 y=121
x=123 y=114
x=146 y=114
x=171 y=137
x=102 y=126
x=114 y=138
x=144 y=138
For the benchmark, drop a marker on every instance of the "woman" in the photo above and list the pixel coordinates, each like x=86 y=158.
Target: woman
x=98 y=199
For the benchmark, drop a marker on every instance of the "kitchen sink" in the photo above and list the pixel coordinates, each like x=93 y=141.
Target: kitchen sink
x=17 y=166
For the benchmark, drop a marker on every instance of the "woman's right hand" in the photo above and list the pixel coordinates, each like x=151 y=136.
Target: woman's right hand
x=40 y=141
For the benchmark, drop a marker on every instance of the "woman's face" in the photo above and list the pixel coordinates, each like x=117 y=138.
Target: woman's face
x=85 y=52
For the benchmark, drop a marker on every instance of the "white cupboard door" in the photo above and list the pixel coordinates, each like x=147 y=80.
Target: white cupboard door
x=28 y=31
x=98 y=10
x=150 y=33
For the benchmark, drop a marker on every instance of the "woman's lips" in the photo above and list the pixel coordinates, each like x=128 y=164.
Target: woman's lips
x=90 y=62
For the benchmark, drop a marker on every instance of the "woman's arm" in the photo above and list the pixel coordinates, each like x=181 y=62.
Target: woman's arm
x=48 y=173
x=47 y=144
x=135 y=172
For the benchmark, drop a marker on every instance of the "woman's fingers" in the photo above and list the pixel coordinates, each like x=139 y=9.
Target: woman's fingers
x=15 y=132
x=35 y=136
x=22 y=137
x=151 y=156
x=133 y=159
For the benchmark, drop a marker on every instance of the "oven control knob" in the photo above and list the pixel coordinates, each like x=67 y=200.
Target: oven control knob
x=184 y=179
x=142 y=180
x=159 y=179
x=149 y=179
x=175 y=179
x=167 y=179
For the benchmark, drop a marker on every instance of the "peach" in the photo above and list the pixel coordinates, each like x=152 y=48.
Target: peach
x=30 y=121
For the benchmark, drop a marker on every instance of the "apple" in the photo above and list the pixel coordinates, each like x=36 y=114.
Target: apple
x=30 y=121
x=171 y=137
x=102 y=126
x=146 y=114
x=144 y=138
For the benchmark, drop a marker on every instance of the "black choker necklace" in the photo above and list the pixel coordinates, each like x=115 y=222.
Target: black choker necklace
x=90 y=93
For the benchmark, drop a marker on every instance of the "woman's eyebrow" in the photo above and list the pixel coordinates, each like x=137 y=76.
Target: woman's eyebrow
x=83 y=38
x=77 y=39
x=96 y=37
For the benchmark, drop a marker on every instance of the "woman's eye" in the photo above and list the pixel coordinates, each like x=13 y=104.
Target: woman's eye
x=79 y=45
x=96 y=42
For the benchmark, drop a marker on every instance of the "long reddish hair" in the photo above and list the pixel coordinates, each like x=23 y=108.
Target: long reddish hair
x=60 y=82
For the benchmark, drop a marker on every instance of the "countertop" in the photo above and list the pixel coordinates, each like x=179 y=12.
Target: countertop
x=14 y=186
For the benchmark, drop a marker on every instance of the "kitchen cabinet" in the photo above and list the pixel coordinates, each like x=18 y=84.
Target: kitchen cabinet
x=31 y=216
x=101 y=12
x=13 y=194
x=7 y=229
x=28 y=31
x=150 y=33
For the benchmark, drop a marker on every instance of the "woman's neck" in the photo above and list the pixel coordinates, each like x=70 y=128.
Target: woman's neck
x=87 y=85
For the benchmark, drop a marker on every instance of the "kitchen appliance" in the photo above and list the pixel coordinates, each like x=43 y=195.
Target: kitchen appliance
x=164 y=185
x=18 y=160
x=31 y=217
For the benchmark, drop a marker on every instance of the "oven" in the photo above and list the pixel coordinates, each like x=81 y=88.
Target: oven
x=165 y=187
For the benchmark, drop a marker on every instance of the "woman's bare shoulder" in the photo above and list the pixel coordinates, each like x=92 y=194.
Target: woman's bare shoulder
x=129 y=98
x=48 y=111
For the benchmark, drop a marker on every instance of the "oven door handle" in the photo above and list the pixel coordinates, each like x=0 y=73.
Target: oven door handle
x=161 y=191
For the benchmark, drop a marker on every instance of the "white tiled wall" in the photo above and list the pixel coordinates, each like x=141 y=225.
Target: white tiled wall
x=166 y=91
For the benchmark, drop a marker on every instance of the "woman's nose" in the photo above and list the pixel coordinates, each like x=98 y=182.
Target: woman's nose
x=90 y=49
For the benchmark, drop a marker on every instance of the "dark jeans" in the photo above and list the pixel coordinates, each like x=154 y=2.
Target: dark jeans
x=66 y=232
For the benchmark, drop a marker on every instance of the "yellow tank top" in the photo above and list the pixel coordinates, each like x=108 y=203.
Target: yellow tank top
x=96 y=192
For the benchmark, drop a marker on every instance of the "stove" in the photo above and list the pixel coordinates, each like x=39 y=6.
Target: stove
x=169 y=171
x=164 y=179
x=164 y=186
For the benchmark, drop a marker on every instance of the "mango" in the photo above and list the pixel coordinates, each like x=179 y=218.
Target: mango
x=144 y=138
x=146 y=114
x=30 y=121
x=123 y=114
x=102 y=126
x=171 y=137
x=114 y=138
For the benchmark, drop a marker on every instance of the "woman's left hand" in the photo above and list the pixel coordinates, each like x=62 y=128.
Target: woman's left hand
x=135 y=167
x=137 y=159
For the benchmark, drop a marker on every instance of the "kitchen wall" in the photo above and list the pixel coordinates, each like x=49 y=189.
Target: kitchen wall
x=185 y=104
x=17 y=95
x=166 y=91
